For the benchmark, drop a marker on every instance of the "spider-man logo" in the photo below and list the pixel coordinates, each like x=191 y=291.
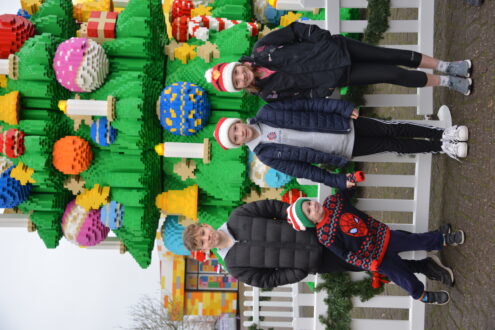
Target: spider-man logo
x=353 y=225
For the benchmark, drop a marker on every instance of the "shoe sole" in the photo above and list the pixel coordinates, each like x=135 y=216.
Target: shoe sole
x=470 y=87
x=463 y=237
x=449 y=270
x=470 y=68
x=467 y=135
x=444 y=303
x=463 y=155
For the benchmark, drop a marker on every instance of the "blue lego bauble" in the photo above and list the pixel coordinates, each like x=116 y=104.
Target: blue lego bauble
x=23 y=13
x=172 y=236
x=102 y=132
x=273 y=15
x=12 y=192
x=112 y=215
x=184 y=108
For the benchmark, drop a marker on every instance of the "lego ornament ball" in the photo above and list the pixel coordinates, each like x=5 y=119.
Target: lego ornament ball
x=292 y=196
x=102 y=132
x=12 y=143
x=112 y=215
x=72 y=155
x=14 y=31
x=12 y=192
x=184 y=108
x=80 y=65
x=81 y=227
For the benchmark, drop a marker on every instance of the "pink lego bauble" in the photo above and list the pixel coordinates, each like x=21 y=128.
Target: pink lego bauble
x=80 y=65
x=81 y=227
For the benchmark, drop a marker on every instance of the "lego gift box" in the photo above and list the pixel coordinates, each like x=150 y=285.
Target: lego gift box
x=101 y=26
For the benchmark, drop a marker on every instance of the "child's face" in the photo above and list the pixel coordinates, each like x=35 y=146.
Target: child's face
x=240 y=133
x=313 y=211
x=242 y=76
x=207 y=237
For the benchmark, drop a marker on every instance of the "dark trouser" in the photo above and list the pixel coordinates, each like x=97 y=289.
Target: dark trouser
x=374 y=136
x=331 y=263
x=394 y=267
x=374 y=65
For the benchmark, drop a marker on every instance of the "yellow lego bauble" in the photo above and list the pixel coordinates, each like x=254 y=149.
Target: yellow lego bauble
x=272 y=3
x=180 y=202
x=9 y=108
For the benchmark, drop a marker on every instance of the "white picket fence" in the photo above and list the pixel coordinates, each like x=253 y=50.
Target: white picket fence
x=283 y=310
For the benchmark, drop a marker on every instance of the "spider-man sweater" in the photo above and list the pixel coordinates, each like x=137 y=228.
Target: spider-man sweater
x=351 y=234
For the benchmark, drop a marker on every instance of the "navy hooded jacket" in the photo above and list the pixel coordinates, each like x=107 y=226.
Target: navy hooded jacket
x=309 y=62
x=312 y=115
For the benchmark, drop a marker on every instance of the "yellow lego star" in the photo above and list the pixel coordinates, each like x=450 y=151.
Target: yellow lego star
x=94 y=198
x=289 y=18
x=201 y=11
x=23 y=174
x=185 y=53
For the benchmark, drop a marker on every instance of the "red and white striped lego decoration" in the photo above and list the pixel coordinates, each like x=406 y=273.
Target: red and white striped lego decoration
x=200 y=26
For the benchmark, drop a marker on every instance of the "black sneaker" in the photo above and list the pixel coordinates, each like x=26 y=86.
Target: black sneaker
x=445 y=229
x=437 y=271
x=436 y=297
x=455 y=238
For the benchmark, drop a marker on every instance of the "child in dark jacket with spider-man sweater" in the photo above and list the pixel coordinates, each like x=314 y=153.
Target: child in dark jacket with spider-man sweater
x=367 y=243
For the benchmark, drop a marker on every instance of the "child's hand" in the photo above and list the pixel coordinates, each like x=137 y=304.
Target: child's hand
x=353 y=178
x=349 y=184
x=355 y=113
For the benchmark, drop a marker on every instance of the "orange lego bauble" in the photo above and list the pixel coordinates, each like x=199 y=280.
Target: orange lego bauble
x=72 y=155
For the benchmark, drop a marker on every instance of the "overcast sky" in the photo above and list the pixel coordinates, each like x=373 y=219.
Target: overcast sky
x=68 y=288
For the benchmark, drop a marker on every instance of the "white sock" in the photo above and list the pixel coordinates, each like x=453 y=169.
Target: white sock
x=442 y=66
x=444 y=81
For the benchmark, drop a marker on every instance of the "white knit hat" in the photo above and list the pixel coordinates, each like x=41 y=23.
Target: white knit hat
x=221 y=77
x=221 y=133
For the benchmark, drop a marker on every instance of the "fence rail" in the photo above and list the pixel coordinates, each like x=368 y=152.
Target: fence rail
x=283 y=310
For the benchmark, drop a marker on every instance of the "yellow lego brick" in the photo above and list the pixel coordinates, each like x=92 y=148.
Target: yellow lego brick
x=201 y=11
x=31 y=6
x=93 y=198
x=23 y=174
x=289 y=18
x=3 y=81
x=185 y=52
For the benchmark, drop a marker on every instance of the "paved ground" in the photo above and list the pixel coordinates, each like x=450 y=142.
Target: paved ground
x=464 y=193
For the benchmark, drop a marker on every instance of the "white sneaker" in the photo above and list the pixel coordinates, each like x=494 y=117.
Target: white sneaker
x=456 y=133
x=454 y=149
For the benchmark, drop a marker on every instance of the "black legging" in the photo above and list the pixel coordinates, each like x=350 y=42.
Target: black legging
x=374 y=65
x=373 y=136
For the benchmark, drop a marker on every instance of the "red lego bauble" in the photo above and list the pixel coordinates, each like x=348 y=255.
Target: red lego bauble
x=181 y=8
x=12 y=143
x=353 y=225
x=14 y=31
x=292 y=195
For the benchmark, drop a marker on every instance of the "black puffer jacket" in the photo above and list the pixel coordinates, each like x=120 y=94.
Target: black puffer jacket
x=268 y=251
x=308 y=61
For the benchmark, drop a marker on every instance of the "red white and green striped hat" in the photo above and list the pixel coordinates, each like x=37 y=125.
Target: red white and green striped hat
x=221 y=77
x=296 y=217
